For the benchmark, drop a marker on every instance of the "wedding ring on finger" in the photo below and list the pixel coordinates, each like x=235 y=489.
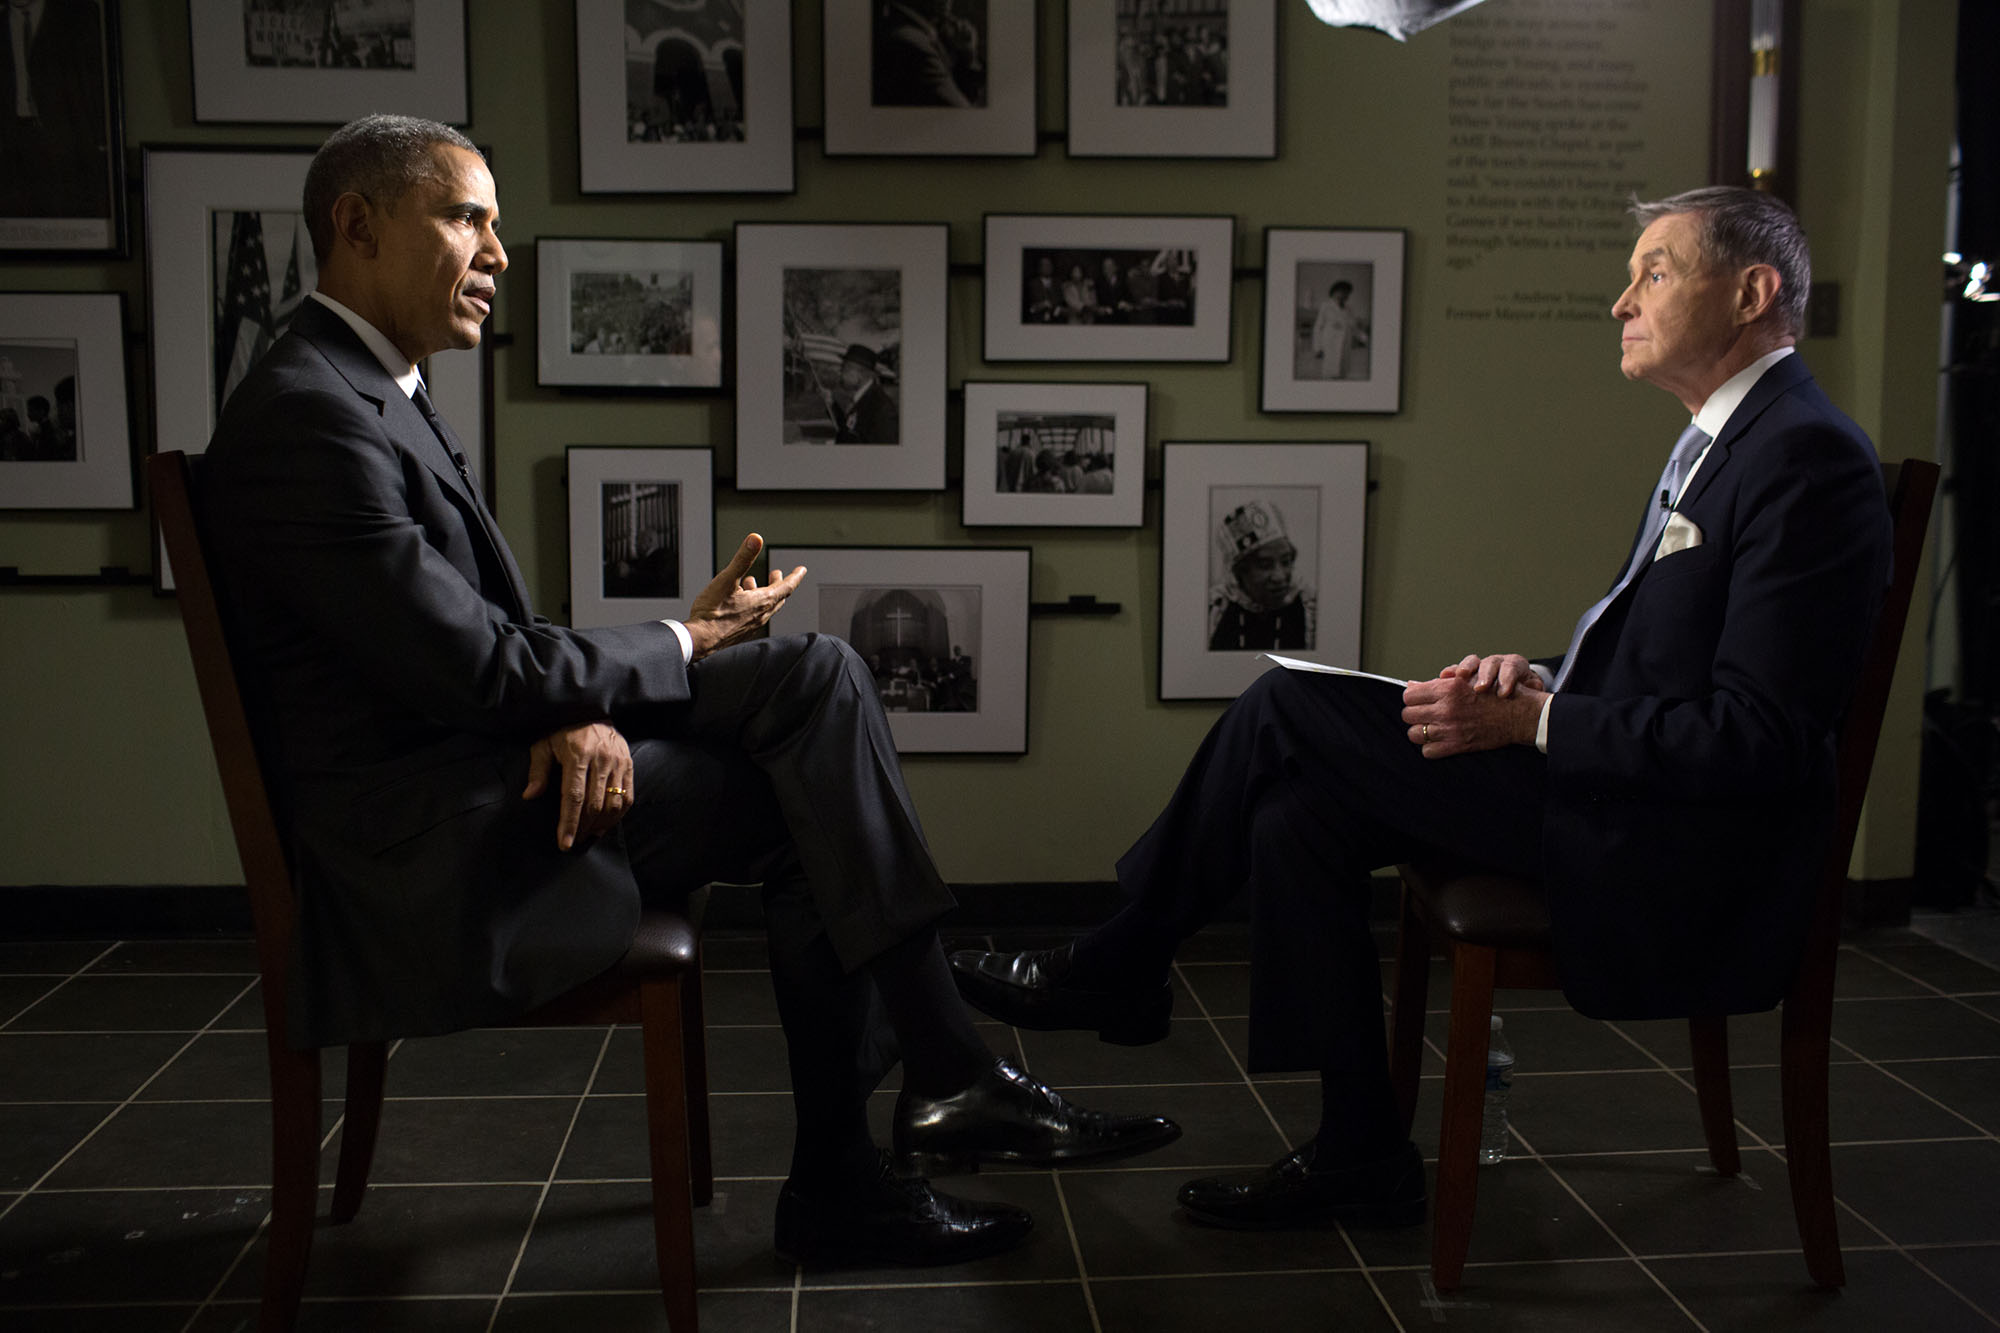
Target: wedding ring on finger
x=614 y=791
x=1427 y=733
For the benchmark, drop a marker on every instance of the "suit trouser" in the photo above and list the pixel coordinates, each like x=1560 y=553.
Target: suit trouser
x=1303 y=787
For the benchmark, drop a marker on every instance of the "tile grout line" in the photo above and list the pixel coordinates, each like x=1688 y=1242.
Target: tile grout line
x=109 y=949
x=1076 y=1253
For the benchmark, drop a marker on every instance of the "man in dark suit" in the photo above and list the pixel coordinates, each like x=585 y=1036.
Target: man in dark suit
x=871 y=415
x=479 y=799
x=1669 y=779
x=54 y=141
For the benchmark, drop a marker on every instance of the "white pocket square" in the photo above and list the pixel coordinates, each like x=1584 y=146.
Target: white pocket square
x=1680 y=534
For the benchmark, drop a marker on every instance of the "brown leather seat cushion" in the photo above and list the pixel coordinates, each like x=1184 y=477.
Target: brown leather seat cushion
x=1479 y=906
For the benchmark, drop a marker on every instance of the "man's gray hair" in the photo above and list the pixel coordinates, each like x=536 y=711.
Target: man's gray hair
x=1736 y=228
x=377 y=157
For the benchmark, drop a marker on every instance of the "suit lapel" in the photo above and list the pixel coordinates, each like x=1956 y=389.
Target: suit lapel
x=1774 y=383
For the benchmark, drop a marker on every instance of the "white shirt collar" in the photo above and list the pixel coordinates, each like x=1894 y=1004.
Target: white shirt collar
x=1722 y=404
x=406 y=376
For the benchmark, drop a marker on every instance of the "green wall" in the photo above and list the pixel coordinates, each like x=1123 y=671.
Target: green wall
x=1490 y=528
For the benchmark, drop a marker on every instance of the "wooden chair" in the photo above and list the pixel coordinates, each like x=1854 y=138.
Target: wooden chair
x=656 y=985
x=1495 y=930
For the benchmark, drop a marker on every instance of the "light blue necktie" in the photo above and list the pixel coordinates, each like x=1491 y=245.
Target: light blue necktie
x=1686 y=449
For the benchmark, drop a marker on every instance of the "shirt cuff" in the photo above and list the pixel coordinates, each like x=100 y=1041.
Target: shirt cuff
x=1541 y=727
x=686 y=639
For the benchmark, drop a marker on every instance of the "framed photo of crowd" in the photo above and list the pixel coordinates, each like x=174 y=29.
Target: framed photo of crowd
x=629 y=314
x=1333 y=320
x=65 y=426
x=1198 y=78
x=1261 y=551
x=840 y=356
x=281 y=61
x=1055 y=454
x=930 y=77
x=944 y=631
x=687 y=98
x=641 y=532
x=1064 y=287
x=62 y=152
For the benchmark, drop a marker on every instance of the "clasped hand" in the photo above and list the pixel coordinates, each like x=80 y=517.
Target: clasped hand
x=732 y=607
x=1479 y=703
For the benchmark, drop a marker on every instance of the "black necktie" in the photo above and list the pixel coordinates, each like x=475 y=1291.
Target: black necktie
x=517 y=586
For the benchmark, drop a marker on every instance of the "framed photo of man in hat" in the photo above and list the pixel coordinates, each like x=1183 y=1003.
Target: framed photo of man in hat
x=1262 y=553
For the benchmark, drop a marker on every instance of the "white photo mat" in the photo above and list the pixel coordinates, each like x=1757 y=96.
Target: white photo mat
x=559 y=261
x=46 y=337
x=227 y=87
x=1247 y=126
x=1011 y=336
x=1353 y=362
x=956 y=580
x=610 y=161
x=1003 y=126
x=596 y=597
x=458 y=381
x=1104 y=419
x=1324 y=486
x=765 y=339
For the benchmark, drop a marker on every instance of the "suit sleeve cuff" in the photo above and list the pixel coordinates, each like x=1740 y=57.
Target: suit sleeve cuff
x=686 y=640
x=1542 y=726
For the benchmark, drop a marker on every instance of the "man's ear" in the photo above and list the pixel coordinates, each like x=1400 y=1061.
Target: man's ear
x=1757 y=293
x=354 y=224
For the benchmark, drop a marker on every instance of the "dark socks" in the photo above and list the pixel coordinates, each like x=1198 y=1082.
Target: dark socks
x=942 y=1050
x=1134 y=948
x=1359 y=1121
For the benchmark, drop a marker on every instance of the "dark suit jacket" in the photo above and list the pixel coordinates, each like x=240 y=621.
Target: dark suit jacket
x=406 y=677
x=872 y=418
x=1690 y=771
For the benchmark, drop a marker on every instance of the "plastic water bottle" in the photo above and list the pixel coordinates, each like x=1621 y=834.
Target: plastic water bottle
x=1499 y=1080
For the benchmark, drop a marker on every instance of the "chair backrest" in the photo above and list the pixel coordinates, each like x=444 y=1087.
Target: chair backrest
x=204 y=615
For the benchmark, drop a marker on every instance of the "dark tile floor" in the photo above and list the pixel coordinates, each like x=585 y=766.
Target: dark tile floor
x=509 y=1190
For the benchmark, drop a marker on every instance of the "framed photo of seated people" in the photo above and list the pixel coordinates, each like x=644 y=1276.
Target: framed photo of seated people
x=1055 y=454
x=1076 y=288
x=840 y=356
x=1333 y=320
x=685 y=97
x=325 y=64
x=641 y=532
x=1261 y=552
x=1196 y=78
x=62 y=147
x=930 y=77
x=628 y=314
x=943 y=630
x=65 y=427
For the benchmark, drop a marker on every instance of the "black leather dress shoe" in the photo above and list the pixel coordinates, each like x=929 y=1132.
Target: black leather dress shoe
x=892 y=1220
x=1292 y=1192
x=1032 y=990
x=1005 y=1116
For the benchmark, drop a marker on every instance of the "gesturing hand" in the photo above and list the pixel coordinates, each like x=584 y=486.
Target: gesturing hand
x=732 y=607
x=596 y=779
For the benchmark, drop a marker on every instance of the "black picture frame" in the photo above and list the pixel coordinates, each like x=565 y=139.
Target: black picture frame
x=62 y=171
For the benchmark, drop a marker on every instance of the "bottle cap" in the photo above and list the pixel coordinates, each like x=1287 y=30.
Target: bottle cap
x=1493 y=1023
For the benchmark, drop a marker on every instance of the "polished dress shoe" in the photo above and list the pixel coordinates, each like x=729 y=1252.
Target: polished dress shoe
x=1032 y=990
x=890 y=1219
x=1294 y=1192
x=1005 y=1116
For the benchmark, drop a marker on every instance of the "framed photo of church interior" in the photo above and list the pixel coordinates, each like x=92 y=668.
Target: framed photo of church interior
x=1333 y=320
x=641 y=532
x=944 y=631
x=1196 y=78
x=62 y=159
x=840 y=356
x=325 y=64
x=1261 y=551
x=65 y=427
x=1055 y=455
x=930 y=77
x=689 y=97
x=1065 y=287
x=628 y=314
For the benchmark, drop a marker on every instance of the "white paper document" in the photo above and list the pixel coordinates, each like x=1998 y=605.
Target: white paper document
x=1300 y=664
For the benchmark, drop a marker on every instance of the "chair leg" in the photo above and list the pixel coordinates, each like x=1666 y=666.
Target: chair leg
x=1808 y=1131
x=294 y=1181
x=694 y=1052
x=660 y=1022
x=1406 y=1012
x=367 y=1065
x=1709 y=1036
x=1472 y=970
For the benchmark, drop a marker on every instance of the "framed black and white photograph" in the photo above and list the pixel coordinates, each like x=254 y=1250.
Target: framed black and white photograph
x=944 y=630
x=1261 y=551
x=840 y=356
x=1055 y=455
x=65 y=430
x=62 y=155
x=1064 y=287
x=1333 y=320
x=641 y=533
x=629 y=314
x=1195 y=78
x=930 y=77
x=325 y=62
x=684 y=96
